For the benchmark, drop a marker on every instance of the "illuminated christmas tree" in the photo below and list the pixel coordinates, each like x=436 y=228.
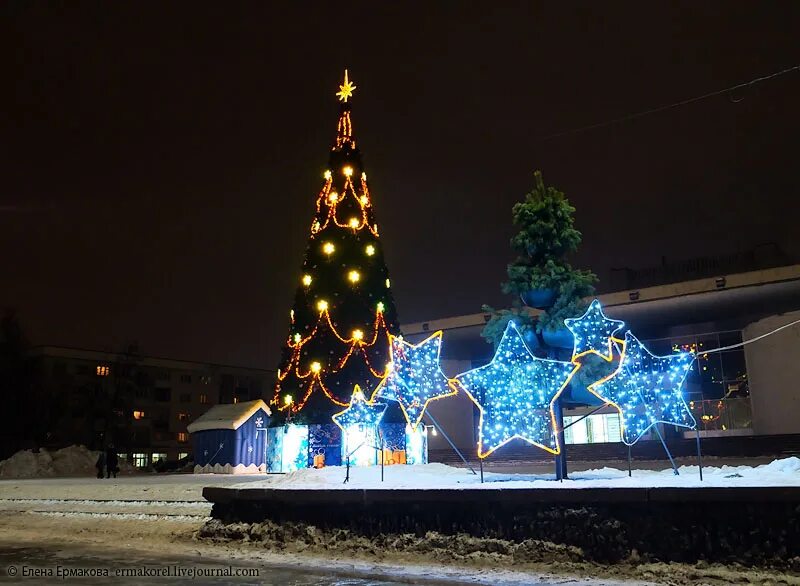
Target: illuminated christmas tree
x=343 y=310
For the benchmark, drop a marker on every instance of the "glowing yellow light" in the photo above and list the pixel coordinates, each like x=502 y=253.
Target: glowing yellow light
x=358 y=335
x=388 y=283
x=306 y=280
x=354 y=223
x=297 y=338
x=291 y=314
x=348 y=171
x=380 y=307
x=354 y=276
x=322 y=305
x=328 y=248
x=364 y=200
x=363 y=176
x=328 y=174
x=333 y=197
x=288 y=399
x=346 y=89
x=370 y=250
x=316 y=367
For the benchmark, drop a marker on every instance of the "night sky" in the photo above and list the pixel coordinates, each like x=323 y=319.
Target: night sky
x=160 y=161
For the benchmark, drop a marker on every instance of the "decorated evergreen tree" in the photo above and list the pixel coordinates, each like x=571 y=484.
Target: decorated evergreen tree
x=547 y=235
x=343 y=311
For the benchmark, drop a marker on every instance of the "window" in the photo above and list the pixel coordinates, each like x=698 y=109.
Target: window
x=163 y=395
x=140 y=460
x=182 y=455
x=159 y=457
x=183 y=437
x=185 y=398
x=138 y=414
x=235 y=400
x=597 y=428
x=183 y=417
x=205 y=379
x=102 y=370
x=204 y=399
x=186 y=378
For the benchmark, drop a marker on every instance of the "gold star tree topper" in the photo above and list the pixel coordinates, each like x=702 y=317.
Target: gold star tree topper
x=346 y=89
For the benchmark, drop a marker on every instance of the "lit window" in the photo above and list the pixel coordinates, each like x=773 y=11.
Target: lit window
x=235 y=400
x=139 y=460
x=182 y=455
x=102 y=370
x=203 y=399
x=183 y=437
x=159 y=456
x=138 y=414
x=183 y=417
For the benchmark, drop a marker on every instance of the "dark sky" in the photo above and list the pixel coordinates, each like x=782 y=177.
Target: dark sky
x=160 y=160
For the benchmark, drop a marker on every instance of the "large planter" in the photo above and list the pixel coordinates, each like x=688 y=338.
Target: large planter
x=560 y=338
x=539 y=298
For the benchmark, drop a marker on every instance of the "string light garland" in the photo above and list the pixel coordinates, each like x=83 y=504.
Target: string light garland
x=414 y=377
x=593 y=332
x=515 y=394
x=646 y=389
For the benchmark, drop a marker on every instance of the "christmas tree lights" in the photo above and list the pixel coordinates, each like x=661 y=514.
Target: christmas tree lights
x=415 y=378
x=593 y=332
x=515 y=394
x=343 y=311
x=647 y=389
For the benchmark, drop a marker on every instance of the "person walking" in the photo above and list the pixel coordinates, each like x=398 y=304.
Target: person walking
x=111 y=461
x=101 y=463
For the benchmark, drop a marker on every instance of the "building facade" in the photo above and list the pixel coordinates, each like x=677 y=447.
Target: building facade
x=140 y=404
x=750 y=390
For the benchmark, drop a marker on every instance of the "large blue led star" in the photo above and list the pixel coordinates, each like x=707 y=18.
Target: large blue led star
x=415 y=377
x=515 y=394
x=647 y=389
x=593 y=332
x=360 y=411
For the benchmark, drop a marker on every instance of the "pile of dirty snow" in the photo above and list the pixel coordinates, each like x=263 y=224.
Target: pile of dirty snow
x=69 y=461
x=783 y=472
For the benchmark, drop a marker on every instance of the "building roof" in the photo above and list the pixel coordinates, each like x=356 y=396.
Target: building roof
x=227 y=416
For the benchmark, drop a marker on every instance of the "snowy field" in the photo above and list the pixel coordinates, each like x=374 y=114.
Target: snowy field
x=782 y=472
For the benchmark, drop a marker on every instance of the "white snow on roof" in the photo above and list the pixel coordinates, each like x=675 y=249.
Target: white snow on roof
x=228 y=416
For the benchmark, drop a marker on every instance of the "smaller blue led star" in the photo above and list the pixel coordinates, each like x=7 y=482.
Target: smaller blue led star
x=515 y=394
x=593 y=332
x=647 y=389
x=415 y=377
x=360 y=411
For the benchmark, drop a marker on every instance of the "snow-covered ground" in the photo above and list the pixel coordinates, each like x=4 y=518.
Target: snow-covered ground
x=782 y=472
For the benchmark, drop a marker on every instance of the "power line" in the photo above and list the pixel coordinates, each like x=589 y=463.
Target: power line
x=670 y=106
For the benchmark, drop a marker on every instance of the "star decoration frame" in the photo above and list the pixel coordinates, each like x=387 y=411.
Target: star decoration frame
x=647 y=389
x=515 y=394
x=414 y=377
x=593 y=333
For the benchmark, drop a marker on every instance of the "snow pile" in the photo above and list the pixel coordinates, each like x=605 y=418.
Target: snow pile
x=69 y=461
x=783 y=472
